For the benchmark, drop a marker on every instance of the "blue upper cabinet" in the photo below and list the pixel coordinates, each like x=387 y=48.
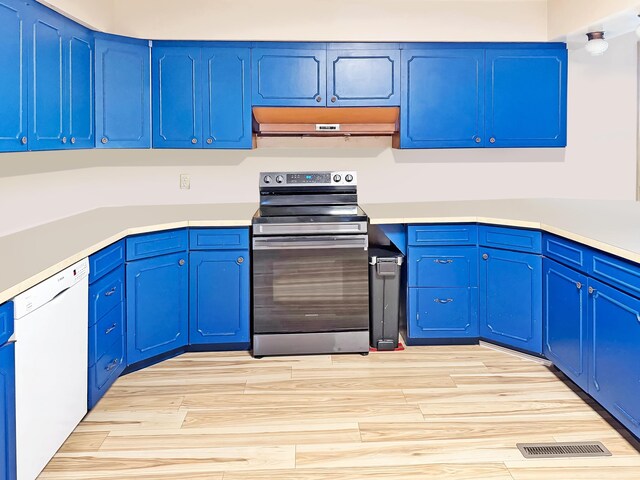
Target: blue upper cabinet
x=511 y=298
x=79 y=88
x=13 y=80
x=177 y=97
x=294 y=77
x=526 y=97
x=363 y=78
x=442 y=98
x=123 y=93
x=219 y=291
x=227 y=104
x=47 y=92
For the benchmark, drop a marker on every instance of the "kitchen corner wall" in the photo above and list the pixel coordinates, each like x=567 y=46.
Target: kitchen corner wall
x=599 y=162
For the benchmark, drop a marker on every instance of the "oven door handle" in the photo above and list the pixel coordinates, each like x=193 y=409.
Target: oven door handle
x=298 y=243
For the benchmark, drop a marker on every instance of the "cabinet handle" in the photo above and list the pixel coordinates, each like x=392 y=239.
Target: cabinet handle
x=240 y=260
x=194 y=140
x=64 y=139
x=181 y=262
x=492 y=140
x=110 y=329
x=478 y=139
x=104 y=140
x=333 y=99
x=73 y=140
x=23 y=140
x=209 y=141
x=112 y=365
x=441 y=300
x=439 y=260
x=591 y=290
x=318 y=99
x=485 y=256
x=110 y=292
x=578 y=285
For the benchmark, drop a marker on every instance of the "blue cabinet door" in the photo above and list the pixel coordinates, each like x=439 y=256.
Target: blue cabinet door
x=511 y=298
x=363 y=78
x=123 y=94
x=79 y=89
x=7 y=413
x=177 y=97
x=615 y=353
x=46 y=84
x=565 y=320
x=442 y=98
x=157 y=305
x=219 y=297
x=526 y=98
x=227 y=98
x=13 y=80
x=443 y=313
x=289 y=77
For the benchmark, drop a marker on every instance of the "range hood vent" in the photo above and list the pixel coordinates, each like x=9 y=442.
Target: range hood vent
x=325 y=121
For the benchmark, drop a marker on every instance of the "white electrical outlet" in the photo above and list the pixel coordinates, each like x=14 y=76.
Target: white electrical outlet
x=185 y=181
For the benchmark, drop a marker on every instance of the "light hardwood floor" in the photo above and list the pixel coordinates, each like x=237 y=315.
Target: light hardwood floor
x=425 y=413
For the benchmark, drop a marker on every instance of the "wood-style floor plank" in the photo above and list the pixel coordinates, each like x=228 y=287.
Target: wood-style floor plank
x=445 y=412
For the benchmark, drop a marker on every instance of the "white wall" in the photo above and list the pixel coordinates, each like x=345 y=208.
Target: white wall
x=328 y=20
x=568 y=16
x=600 y=162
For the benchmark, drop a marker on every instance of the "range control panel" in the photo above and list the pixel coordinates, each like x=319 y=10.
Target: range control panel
x=275 y=179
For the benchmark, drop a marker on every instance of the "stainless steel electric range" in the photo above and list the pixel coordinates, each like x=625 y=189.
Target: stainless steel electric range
x=310 y=265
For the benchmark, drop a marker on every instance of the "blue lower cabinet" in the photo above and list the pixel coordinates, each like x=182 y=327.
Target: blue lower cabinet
x=511 y=298
x=219 y=297
x=615 y=353
x=443 y=267
x=106 y=370
x=566 y=321
x=443 y=313
x=157 y=305
x=7 y=413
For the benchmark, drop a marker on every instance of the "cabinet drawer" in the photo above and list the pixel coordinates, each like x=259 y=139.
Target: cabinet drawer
x=517 y=239
x=108 y=365
x=107 y=259
x=6 y=322
x=443 y=312
x=443 y=235
x=443 y=267
x=218 y=238
x=154 y=244
x=617 y=272
x=103 y=334
x=106 y=294
x=565 y=251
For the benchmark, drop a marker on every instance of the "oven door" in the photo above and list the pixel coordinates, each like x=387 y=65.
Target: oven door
x=309 y=284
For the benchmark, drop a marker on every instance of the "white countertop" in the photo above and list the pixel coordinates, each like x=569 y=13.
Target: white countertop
x=30 y=256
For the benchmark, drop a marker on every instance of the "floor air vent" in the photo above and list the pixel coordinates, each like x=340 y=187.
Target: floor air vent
x=563 y=450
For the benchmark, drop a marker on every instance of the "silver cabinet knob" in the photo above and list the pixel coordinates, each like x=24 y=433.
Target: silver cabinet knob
x=194 y=140
x=478 y=139
x=73 y=140
x=334 y=99
x=64 y=139
x=485 y=256
x=23 y=140
x=591 y=290
x=578 y=285
x=240 y=260
x=318 y=99
x=181 y=262
x=492 y=140
x=104 y=140
x=209 y=141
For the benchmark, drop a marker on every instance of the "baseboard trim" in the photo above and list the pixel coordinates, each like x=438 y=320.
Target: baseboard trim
x=516 y=353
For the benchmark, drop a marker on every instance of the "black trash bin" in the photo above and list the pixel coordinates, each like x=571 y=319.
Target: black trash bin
x=385 y=268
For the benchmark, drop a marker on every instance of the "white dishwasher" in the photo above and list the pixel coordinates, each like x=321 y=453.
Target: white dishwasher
x=51 y=365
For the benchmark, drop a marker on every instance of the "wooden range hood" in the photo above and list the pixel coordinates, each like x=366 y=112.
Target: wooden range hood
x=325 y=121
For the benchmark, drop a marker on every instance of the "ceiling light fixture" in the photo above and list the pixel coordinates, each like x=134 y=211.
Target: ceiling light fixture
x=596 y=45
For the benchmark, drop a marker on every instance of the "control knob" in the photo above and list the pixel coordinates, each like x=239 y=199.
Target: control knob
x=349 y=178
x=267 y=179
x=279 y=179
x=337 y=178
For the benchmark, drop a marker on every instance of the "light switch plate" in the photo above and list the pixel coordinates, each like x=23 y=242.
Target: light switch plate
x=185 y=181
